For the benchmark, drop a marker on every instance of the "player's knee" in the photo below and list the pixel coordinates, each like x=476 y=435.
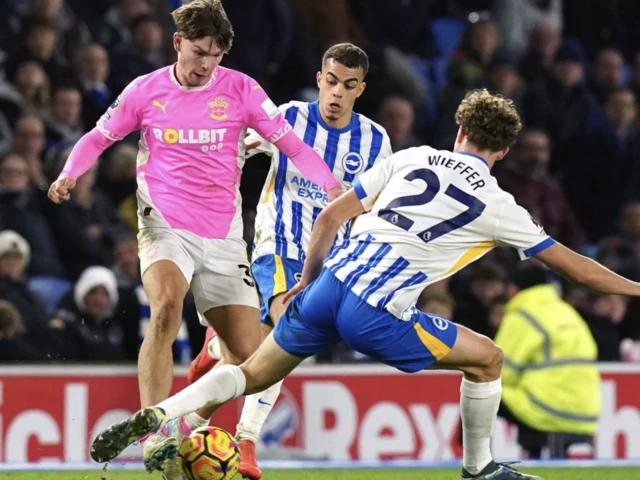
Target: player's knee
x=276 y=309
x=241 y=351
x=166 y=317
x=495 y=359
x=255 y=383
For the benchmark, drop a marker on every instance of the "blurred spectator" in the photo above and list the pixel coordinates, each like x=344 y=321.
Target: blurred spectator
x=33 y=84
x=607 y=73
x=407 y=24
x=40 y=39
x=39 y=338
x=20 y=211
x=29 y=142
x=561 y=105
x=396 y=116
x=537 y=63
x=10 y=103
x=479 y=43
x=614 y=181
x=113 y=30
x=487 y=283
x=13 y=345
x=618 y=252
x=262 y=40
x=72 y=33
x=63 y=120
x=86 y=226
x=550 y=381
x=525 y=175
x=142 y=56
x=516 y=20
x=88 y=313
x=92 y=69
x=437 y=303
x=330 y=21
x=467 y=70
x=127 y=266
x=635 y=75
x=604 y=317
x=503 y=78
x=119 y=182
x=496 y=313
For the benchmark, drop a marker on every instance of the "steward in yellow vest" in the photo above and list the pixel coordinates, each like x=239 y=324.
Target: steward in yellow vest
x=550 y=380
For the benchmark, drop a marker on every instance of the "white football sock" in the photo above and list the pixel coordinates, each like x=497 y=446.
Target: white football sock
x=255 y=412
x=479 y=405
x=195 y=421
x=214 y=349
x=217 y=386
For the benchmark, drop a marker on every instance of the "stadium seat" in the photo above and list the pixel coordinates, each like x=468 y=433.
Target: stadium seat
x=50 y=290
x=447 y=33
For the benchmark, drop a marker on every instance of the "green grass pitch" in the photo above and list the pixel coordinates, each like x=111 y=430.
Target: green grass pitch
x=383 y=474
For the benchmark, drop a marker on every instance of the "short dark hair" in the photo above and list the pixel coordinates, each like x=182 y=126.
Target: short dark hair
x=489 y=272
x=491 y=122
x=204 y=18
x=141 y=20
x=36 y=22
x=348 y=55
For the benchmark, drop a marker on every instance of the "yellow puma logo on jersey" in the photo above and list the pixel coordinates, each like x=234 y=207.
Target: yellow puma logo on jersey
x=159 y=105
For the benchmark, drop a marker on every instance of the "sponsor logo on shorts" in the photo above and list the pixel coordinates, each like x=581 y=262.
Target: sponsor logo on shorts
x=440 y=323
x=153 y=251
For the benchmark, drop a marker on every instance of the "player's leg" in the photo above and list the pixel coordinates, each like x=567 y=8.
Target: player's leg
x=166 y=288
x=480 y=360
x=274 y=276
x=167 y=268
x=307 y=327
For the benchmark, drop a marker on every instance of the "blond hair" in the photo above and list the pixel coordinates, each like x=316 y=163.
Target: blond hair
x=491 y=122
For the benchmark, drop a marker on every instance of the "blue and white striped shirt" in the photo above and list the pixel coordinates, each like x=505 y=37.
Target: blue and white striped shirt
x=429 y=214
x=290 y=204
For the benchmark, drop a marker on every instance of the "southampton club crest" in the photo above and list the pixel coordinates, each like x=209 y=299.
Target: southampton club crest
x=218 y=108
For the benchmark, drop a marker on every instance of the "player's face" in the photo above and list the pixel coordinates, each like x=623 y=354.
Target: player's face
x=339 y=87
x=197 y=59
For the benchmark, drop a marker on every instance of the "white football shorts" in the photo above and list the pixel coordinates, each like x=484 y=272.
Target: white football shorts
x=217 y=269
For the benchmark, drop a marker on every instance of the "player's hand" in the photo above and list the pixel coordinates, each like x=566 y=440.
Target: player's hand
x=335 y=192
x=288 y=296
x=252 y=145
x=59 y=190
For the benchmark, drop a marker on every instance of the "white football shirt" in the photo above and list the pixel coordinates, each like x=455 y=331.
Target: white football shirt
x=429 y=214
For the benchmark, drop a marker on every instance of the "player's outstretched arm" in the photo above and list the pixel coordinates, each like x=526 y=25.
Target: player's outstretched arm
x=82 y=157
x=586 y=272
x=324 y=232
x=310 y=164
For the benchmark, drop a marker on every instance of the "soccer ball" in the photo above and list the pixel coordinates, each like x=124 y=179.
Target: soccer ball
x=209 y=453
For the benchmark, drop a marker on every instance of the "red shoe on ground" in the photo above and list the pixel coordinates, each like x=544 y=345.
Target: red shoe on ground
x=248 y=465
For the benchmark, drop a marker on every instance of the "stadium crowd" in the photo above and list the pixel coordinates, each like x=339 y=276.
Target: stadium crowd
x=69 y=276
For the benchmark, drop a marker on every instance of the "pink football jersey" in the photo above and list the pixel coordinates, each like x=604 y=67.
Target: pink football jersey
x=192 y=146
